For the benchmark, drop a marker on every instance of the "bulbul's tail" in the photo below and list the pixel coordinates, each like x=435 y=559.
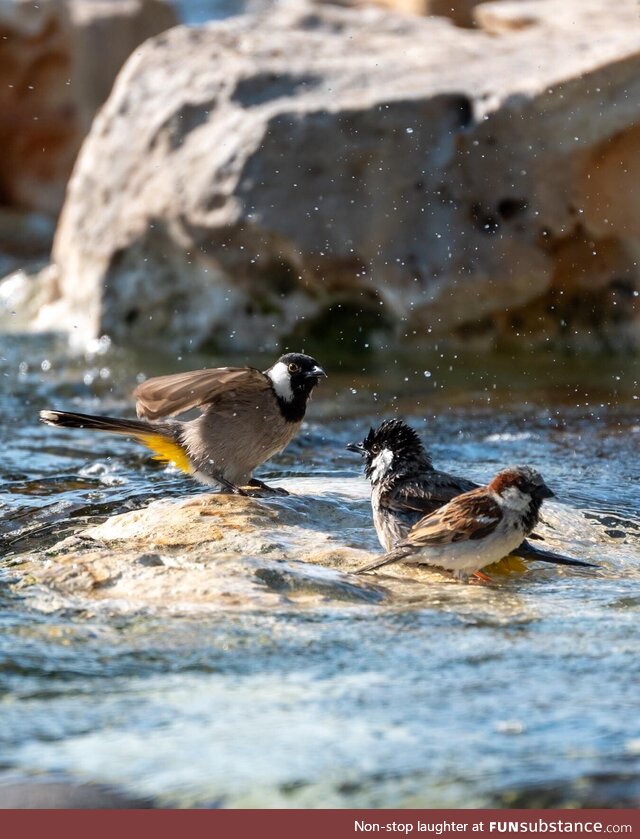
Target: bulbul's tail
x=161 y=441
x=68 y=419
x=528 y=551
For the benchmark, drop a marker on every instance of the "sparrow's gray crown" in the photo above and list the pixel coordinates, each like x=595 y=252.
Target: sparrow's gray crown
x=523 y=478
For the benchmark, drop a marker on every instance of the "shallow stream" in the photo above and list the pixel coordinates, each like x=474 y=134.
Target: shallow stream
x=520 y=693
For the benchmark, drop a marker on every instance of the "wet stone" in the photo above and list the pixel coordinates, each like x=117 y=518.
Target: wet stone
x=205 y=552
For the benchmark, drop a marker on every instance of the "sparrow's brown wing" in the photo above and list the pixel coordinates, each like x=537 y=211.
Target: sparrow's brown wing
x=471 y=516
x=426 y=493
x=166 y=396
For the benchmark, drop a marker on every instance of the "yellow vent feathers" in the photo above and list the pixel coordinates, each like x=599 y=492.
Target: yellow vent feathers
x=168 y=451
x=507 y=565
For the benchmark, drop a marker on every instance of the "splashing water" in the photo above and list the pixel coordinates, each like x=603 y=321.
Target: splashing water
x=323 y=690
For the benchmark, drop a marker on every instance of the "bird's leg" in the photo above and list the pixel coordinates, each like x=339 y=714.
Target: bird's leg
x=480 y=575
x=229 y=487
x=258 y=484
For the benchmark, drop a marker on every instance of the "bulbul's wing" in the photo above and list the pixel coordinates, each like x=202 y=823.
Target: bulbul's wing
x=425 y=493
x=165 y=396
x=470 y=516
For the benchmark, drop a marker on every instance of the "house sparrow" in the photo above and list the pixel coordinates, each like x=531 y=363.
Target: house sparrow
x=406 y=487
x=245 y=418
x=476 y=528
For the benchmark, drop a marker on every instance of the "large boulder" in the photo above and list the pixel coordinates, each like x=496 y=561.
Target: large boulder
x=335 y=173
x=58 y=60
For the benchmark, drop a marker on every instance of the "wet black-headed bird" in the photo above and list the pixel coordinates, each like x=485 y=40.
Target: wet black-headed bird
x=405 y=487
x=476 y=528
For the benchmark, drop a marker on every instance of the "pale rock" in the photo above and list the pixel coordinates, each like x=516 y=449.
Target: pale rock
x=24 y=294
x=509 y=15
x=212 y=552
x=318 y=172
x=209 y=552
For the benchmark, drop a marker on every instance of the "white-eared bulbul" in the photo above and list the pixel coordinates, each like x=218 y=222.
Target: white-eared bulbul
x=245 y=418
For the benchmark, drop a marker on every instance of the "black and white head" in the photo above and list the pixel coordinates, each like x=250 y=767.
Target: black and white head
x=518 y=486
x=391 y=448
x=293 y=377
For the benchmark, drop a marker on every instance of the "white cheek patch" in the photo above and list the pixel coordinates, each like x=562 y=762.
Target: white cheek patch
x=381 y=464
x=279 y=375
x=513 y=498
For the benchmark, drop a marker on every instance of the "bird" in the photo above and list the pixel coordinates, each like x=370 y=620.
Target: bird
x=476 y=528
x=246 y=417
x=406 y=487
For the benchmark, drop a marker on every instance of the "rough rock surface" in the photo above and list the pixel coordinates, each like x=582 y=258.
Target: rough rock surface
x=58 y=60
x=339 y=173
x=210 y=552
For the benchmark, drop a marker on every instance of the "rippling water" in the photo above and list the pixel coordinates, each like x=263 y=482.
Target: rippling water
x=522 y=693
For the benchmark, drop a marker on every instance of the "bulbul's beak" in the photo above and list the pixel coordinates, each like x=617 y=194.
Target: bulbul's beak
x=315 y=373
x=358 y=448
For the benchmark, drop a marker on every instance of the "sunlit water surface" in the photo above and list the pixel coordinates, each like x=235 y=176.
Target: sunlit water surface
x=523 y=693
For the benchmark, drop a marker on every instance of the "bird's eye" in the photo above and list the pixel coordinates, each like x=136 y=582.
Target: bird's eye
x=375 y=448
x=294 y=368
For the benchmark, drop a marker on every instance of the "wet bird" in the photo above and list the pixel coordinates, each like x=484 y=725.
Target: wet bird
x=246 y=417
x=477 y=528
x=406 y=487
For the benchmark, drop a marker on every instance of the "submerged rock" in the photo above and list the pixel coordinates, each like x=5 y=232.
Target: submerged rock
x=210 y=552
x=206 y=553
x=58 y=60
x=318 y=172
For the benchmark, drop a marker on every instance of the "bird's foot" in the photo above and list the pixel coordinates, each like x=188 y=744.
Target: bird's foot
x=258 y=484
x=480 y=575
x=227 y=486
